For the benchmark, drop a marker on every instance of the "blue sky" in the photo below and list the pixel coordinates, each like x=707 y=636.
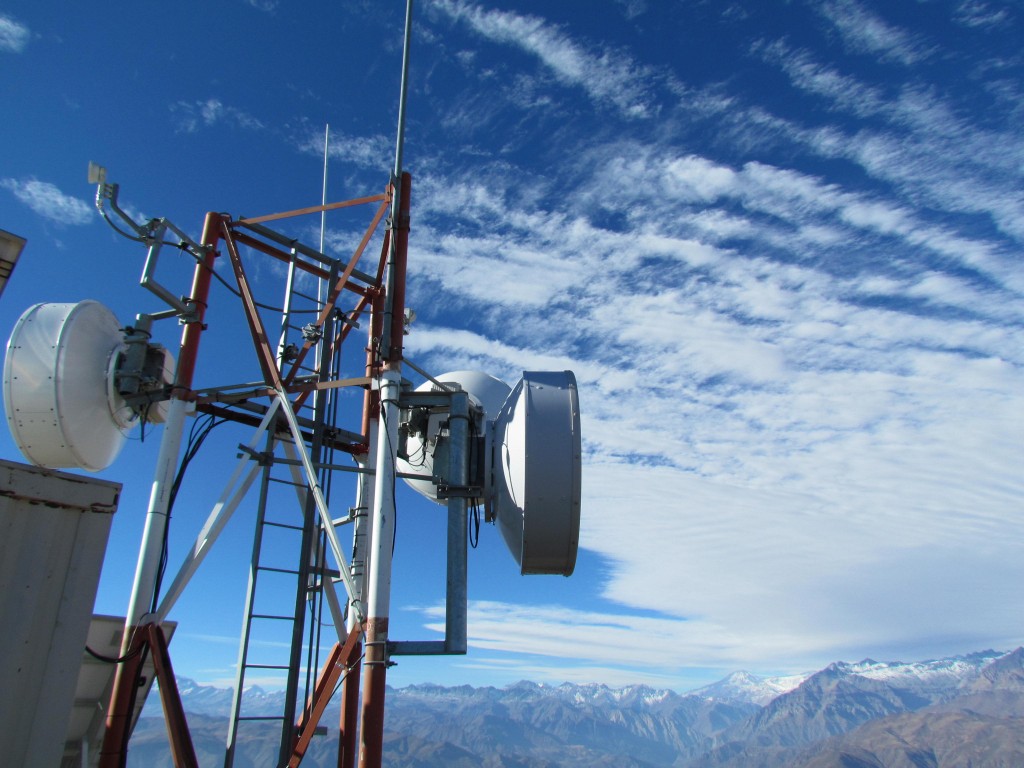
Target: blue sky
x=778 y=243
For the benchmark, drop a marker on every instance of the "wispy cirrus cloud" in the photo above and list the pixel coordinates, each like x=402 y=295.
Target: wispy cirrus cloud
x=924 y=145
x=49 y=201
x=14 y=35
x=774 y=369
x=191 y=116
x=608 y=76
x=268 y=6
x=864 y=32
x=375 y=151
x=978 y=13
x=845 y=92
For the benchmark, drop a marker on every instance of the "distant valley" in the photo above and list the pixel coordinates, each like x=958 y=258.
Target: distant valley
x=964 y=710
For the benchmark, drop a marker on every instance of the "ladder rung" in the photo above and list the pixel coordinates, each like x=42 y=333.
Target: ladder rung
x=259 y=717
x=271 y=616
x=265 y=666
x=276 y=570
x=289 y=526
x=334 y=573
x=282 y=481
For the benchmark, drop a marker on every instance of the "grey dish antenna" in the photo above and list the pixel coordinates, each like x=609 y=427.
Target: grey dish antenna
x=535 y=472
x=528 y=472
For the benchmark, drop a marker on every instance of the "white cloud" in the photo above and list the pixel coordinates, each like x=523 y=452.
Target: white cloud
x=194 y=115
x=365 y=151
x=48 y=201
x=864 y=32
x=928 y=147
x=14 y=36
x=633 y=8
x=798 y=403
x=696 y=178
x=825 y=81
x=268 y=6
x=977 y=13
x=607 y=76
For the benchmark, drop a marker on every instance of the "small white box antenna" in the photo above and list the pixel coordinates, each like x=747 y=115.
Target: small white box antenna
x=97 y=173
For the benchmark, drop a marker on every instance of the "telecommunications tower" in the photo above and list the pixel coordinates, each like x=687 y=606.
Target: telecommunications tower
x=77 y=380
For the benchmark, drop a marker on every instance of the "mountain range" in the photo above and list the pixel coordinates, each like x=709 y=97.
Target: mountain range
x=958 y=711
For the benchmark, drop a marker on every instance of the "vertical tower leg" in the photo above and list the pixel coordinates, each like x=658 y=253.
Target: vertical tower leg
x=379 y=583
x=115 y=743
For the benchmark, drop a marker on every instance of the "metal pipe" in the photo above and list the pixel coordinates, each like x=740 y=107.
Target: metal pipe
x=167 y=462
x=379 y=576
x=395 y=311
x=458 y=519
x=286 y=315
x=403 y=88
x=361 y=531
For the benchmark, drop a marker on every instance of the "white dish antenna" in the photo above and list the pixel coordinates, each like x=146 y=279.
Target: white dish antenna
x=530 y=476
x=62 y=406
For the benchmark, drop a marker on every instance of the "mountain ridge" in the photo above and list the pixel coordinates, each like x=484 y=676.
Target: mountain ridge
x=839 y=713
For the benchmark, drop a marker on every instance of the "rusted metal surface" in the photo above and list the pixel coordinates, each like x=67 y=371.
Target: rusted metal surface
x=375 y=661
x=312 y=209
x=349 y=720
x=265 y=355
x=401 y=230
x=200 y=297
x=147 y=638
x=338 y=665
x=339 y=286
x=182 y=751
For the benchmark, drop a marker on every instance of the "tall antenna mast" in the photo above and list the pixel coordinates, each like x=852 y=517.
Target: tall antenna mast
x=396 y=199
x=382 y=518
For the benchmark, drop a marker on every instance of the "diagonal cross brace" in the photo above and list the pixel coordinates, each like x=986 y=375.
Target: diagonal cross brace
x=222 y=511
x=321 y=504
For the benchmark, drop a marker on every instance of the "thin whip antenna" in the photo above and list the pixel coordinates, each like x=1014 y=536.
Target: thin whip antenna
x=396 y=176
x=400 y=141
x=323 y=202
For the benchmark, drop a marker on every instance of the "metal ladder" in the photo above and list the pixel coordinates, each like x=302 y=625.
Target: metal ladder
x=282 y=597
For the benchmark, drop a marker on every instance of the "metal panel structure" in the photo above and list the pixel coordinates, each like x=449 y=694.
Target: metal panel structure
x=10 y=249
x=53 y=535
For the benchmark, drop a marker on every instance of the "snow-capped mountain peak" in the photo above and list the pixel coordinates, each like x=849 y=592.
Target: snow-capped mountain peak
x=744 y=687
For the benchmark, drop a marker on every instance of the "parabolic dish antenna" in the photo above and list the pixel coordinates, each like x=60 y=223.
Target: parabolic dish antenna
x=530 y=478
x=61 y=404
x=536 y=477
